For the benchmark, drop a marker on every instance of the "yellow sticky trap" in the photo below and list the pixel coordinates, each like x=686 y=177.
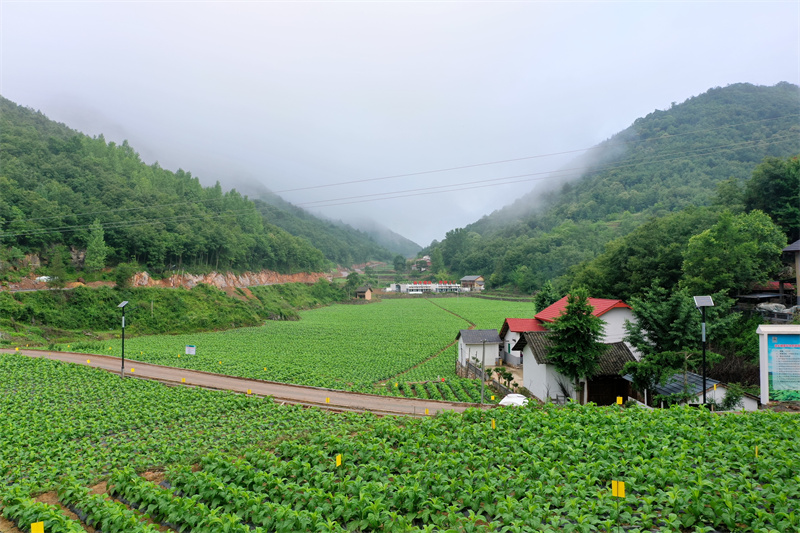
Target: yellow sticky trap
x=327 y=400
x=618 y=489
x=619 y=400
x=17 y=348
x=715 y=386
x=339 y=460
x=109 y=347
x=183 y=380
x=426 y=411
x=494 y=426
x=37 y=527
x=395 y=385
x=249 y=391
x=756 y=451
x=220 y=362
x=133 y=370
x=88 y=361
x=265 y=369
x=492 y=397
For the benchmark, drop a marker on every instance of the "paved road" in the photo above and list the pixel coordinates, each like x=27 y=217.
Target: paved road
x=327 y=398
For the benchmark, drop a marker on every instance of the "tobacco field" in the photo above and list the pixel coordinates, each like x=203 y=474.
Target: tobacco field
x=237 y=463
x=364 y=348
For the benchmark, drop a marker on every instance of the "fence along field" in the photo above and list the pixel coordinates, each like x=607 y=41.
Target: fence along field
x=350 y=347
x=238 y=463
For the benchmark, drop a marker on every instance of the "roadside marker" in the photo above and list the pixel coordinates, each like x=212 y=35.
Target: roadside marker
x=37 y=527
x=618 y=489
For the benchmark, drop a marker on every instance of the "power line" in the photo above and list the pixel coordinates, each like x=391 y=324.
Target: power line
x=462 y=167
x=526 y=158
x=507 y=180
x=515 y=179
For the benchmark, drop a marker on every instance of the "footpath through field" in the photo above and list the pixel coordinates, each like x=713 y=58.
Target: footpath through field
x=281 y=392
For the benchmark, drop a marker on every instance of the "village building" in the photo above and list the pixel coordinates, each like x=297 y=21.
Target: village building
x=510 y=332
x=472 y=283
x=364 y=293
x=542 y=379
x=477 y=348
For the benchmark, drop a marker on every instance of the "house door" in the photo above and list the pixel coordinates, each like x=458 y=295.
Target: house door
x=603 y=390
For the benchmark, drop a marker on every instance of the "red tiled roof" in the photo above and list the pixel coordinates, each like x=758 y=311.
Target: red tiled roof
x=520 y=325
x=601 y=306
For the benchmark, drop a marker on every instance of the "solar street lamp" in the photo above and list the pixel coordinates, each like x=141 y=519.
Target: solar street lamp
x=701 y=302
x=122 y=306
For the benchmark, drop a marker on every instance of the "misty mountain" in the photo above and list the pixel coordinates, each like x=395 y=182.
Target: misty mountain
x=387 y=238
x=56 y=182
x=663 y=163
x=341 y=243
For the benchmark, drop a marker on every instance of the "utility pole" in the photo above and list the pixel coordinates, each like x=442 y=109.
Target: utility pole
x=483 y=370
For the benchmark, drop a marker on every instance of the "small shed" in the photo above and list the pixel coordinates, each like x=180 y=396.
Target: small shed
x=693 y=384
x=476 y=346
x=364 y=293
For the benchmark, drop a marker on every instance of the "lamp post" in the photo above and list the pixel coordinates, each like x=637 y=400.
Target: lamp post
x=701 y=302
x=122 y=306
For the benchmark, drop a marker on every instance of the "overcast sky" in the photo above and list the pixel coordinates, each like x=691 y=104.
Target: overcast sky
x=303 y=94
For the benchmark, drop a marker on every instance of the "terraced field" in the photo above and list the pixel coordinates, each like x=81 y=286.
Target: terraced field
x=235 y=463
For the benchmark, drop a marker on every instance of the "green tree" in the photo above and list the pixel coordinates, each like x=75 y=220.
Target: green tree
x=575 y=339
x=775 y=190
x=123 y=274
x=96 y=249
x=57 y=270
x=399 y=263
x=437 y=262
x=666 y=332
x=354 y=281
x=546 y=296
x=733 y=255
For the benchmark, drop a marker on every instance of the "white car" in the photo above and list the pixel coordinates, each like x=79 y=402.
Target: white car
x=515 y=400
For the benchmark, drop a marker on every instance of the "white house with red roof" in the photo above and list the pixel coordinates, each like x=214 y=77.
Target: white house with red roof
x=613 y=312
x=510 y=333
x=539 y=375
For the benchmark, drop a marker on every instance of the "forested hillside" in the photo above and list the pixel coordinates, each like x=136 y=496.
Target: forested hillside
x=340 y=243
x=63 y=193
x=697 y=153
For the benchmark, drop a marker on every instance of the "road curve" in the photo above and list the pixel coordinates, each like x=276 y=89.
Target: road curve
x=296 y=394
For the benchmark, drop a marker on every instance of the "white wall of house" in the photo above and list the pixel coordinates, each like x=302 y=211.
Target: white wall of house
x=514 y=356
x=471 y=352
x=748 y=403
x=615 y=324
x=543 y=380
